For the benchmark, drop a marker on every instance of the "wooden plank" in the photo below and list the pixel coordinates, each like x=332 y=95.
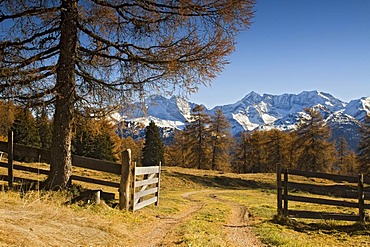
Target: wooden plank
x=361 y=198
x=279 y=189
x=354 y=194
x=338 y=190
x=125 y=186
x=10 y=158
x=95 y=181
x=321 y=215
x=144 y=203
x=158 y=184
x=3 y=164
x=146 y=170
x=31 y=152
x=146 y=186
x=97 y=165
x=77 y=161
x=285 y=196
x=140 y=194
x=333 y=177
x=31 y=169
x=322 y=201
x=4 y=147
x=146 y=182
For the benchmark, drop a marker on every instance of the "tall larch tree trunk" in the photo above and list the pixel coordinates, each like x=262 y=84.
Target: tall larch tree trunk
x=61 y=160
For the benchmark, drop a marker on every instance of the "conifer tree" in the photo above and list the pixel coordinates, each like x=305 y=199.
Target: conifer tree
x=257 y=153
x=153 y=151
x=277 y=149
x=136 y=147
x=25 y=128
x=44 y=126
x=241 y=163
x=314 y=152
x=97 y=139
x=7 y=116
x=198 y=138
x=178 y=152
x=221 y=141
x=346 y=159
x=92 y=53
x=364 y=147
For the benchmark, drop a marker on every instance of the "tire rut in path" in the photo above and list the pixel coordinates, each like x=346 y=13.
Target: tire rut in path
x=237 y=229
x=161 y=233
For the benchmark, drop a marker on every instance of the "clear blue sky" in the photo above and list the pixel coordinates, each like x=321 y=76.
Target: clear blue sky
x=298 y=45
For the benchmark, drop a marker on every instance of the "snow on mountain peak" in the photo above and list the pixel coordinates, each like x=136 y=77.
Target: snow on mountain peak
x=265 y=111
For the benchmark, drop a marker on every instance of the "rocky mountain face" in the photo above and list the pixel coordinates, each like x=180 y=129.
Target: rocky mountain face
x=257 y=111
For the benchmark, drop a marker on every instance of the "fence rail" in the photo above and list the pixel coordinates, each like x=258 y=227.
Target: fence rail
x=354 y=188
x=151 y=177
x=126 y=170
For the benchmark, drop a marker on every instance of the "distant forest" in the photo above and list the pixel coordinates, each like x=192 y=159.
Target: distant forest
x=204 y=143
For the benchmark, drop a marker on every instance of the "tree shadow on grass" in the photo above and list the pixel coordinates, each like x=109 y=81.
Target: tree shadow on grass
x=224 y=182
x=329 y=227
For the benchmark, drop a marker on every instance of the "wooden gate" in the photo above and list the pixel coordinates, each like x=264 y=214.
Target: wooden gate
x=145 y=186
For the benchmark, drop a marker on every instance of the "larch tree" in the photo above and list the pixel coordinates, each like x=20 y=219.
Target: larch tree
x=221 y=141
x=97 y=53
x=96 y=138
x=7 y=116
x=314 y=151
x=25 y=128
x=364 y=147
x=153 y=151
x=178 y=152
x=44 y=128
x=136 y=147
x=346 y=159
x=241 y=161
x=198 y=138
x=277 y=149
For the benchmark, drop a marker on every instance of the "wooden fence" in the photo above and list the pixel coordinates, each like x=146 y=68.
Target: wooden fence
x=345 y=187
x=126 y=170
x=143 y=188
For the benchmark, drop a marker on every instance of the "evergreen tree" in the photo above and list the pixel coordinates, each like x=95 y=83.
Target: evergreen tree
x=346 y=159
x=277 y=149
x=241 y=163
x=178 y=152
x=221 y=141
x=153 y=151
x=97 y=53
x=314 y=152
x=198 y=138
x=96 y=138
x=257 y=152
x=7 y=116
x=364 y=147
x=44 y=126
x=25 y=128
x=136 y=148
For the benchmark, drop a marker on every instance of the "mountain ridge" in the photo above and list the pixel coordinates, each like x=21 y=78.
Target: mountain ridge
x=266 y=111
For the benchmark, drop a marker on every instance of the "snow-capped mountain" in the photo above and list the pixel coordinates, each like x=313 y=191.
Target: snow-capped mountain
x=264 y=112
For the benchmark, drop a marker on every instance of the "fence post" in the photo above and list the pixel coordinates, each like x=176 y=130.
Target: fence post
x=361 y=198
x=158 y=185
x=10 y=158
x=124 y=188
x=285 y=192
x=279 y=190
x=133 y=184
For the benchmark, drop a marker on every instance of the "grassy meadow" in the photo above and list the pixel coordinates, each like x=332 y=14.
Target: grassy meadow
x=194 y=209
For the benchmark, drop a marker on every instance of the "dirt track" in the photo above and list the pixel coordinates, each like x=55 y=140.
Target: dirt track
x=163 y=231
x=35 y=223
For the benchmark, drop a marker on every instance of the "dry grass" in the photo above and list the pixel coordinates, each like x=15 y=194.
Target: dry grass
x=41 y=218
